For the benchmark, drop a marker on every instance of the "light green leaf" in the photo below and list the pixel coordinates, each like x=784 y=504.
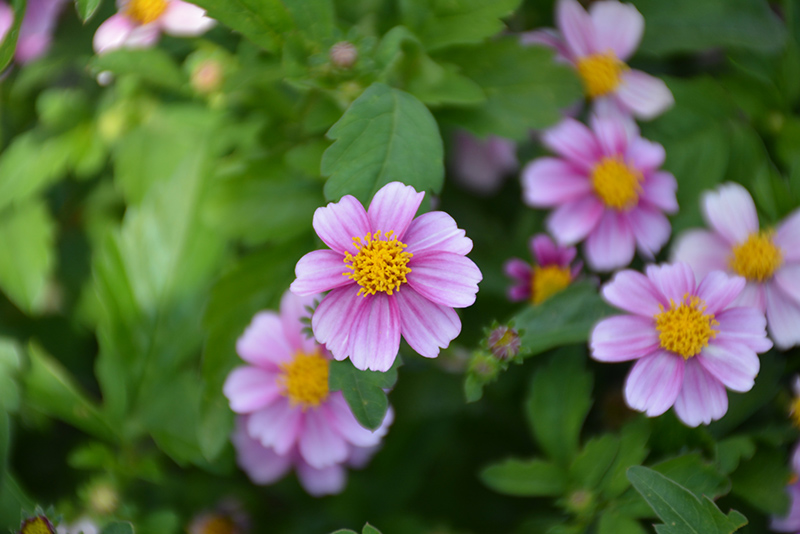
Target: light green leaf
x=632 y=451
x=261 y=21
x=614 y=523
x=118 y=527
x=369 y=529
x=525 y=478
x=731 y=451
x=9 y=44
x=594 y=461
x=363 y=390
x=761 y=481
x=344 y=531
x=314 y=18
x=150 y=64
x=385 y=135
x=87 y=8
x=695 y=474
x=5 y=439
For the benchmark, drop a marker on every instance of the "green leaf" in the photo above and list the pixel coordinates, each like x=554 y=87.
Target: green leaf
x=695 y=474
x=261 y=21
x=564 y=318
x=344 y=531
x=761 y=481
x=86 y=8
x=150 y=64
x=385 y=135
x=525 y=478
x=10 y=360
x=369 y=529
x=118 y=527
x=559 y=400
x=314 y=18
x=614 y=523
x=5 y=439
x=9 y=44
x=632 y=451
x=363 y=390
x=731 y=451
x=680 y=510
x=594 y=461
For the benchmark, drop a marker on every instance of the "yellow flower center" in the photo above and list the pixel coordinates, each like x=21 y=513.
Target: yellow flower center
x=600 y=73
x=380 y=264
x=616 y=183
x=684 y=329
x=757 y=258
x=219 y=525
x=145 y=11
x=794 y=411
x=37 y=525
x=305 y=379
x=547 y=281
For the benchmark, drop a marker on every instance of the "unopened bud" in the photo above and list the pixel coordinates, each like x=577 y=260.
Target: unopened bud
x=207 y=76
x=504 y=342
x=344 y=55
x=103 y=498
x=484 y=366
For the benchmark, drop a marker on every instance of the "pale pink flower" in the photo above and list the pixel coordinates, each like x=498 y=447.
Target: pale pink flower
x=606 y=187
x=83 y=525
x=550 y=273
x=690 y=342
x=6 y=20
x=388 y=273
x=284 y=391
x=597 y=44
x=791 y=521
x=36 y=31
x=139 y=23
x=769 y=260
x=481 y=165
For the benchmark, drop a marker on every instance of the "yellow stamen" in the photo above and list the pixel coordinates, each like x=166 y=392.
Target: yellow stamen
x=600 y=73
x=380 y=264
x=305 y=379
x=616 y=183
x=37 y=525
x=547 y=281
x=219 y=525
x=684 y=329
x=145 y=11
x=757 y=258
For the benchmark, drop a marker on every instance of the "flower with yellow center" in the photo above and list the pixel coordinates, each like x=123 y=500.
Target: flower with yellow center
x=616 y=183
x=600 y=73
x=145 y=11
x=547 y=281
x=305 y=379
x=757 y=258
x=37 y=525
x=684 y=329
x=380 y=265
x=218 y=524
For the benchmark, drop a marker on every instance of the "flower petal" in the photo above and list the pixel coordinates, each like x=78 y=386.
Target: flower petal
x=702 y=399
x=143 y=36
x=332 y=321
x=646 y=155
x=791 y=521
x=320 y=445
x=787 y=236
x=445 y=278
x=659 y=189
x=183 y=19
x=570 y=223
x=743 y=325
x=263 y=343
x=547 y=252
x=783 y=317
x=704 y=251
x=650 y=227
x=734 y=364
x=393 y=208
x=623 y=337
x=673 y=280
x=576 y=26
x=730 y=211
x=319 y=482
x=112 y=33
x=339 y=222
x=278 y=425
x=618 y=27
x=294 y=310
x=611 y=244
x=611 y=134
x=261 y=464
x=375 y=334
x=718 y=290
x=643 y=95
x=6 y=20
x=426 y=326
x=573 y=141
x=319 y=271
x=249 y=389
x=550 y=38
x=550 y=181
x=635 y=293
x=654 y=383
x=788 y=279
x=436 y=230
x=752 y=296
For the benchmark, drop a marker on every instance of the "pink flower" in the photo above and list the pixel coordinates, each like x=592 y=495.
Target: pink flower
x=597 y=44
x=606 y=188
x=36 y=31
x=689 y=341
x=284 y=391
x=387 y=274
x=480 y=165
x=139 y=23
x=6 y=20
x=550 y=273
x=791 y=521
x=769 y=260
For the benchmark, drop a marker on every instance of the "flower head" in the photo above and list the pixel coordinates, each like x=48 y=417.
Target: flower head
x=284 y=392
x=769 y=260
x=606 y=187
x=38 y=524
x=550 y=273
x=597 y=44
x=388 y=273
x=690 y=343
x=504 y=342
x=480 y=165
x=139 y=23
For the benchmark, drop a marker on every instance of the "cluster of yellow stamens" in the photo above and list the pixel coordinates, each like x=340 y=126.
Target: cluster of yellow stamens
x=305 y=379
x=601 y=73
x=794 y=411
x=37 y=525
x=547 y=281
x=684 y=329
x=145 y=11
x=616 y=183
x=380 y=265
x=219 y=524
x=757 y=258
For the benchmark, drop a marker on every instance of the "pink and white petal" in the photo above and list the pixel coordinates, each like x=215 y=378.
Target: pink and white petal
x=573 y=141
x=704 y=251
x=436 y=230
x=788 y=279
x=263 y=343
x=550 y=38
x=112 y=33
x=143 y=36
x=783 y=317
x=576 y=27
x=183 y=19
x=623 y=337
x=6 y=20
x=344 y=422
x=734 y=364
x=635 y=293
x=547 y=252
x=659 y=189
x=643 y=95
x=645 y=155
x=654 y=383
x=332 y=322
x=444 y=278
x=570 y=223
x=752 y=296
x=518 y=269
x=611 y=244
x=339 y=222
x=702 y=399
x=319 y=271
x=551 y=181
x=278 y=425
x=393 y=208
x=519 y=293
x=320 y=482
x=730 y=211
x=293 y=310
x=650 y=227
x=261 y=464
x=426 y=326
x=718 y=290
x=611 y=134
x=361 y=456
x=249 y=389
x=744 y=325
x=791 y=521
x=320 y=445
x=375 y=334
x=787 y=237
x=673 y=280
x=618 y=27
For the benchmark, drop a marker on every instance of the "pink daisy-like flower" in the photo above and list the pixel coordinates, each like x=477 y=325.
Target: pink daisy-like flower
x=481 y=165
x=36 y=31
x=597 y=44
x=769 y=260
x=550 y=273
x=388 y=273
x=791 y=521
x=689 y=341
x=606 y=187
x=139 y=23
x=284 y=391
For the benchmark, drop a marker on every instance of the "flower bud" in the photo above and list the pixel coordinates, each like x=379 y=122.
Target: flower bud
x=344 y=55
x=207 y=76
x=484 y=366
x=504 y=342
